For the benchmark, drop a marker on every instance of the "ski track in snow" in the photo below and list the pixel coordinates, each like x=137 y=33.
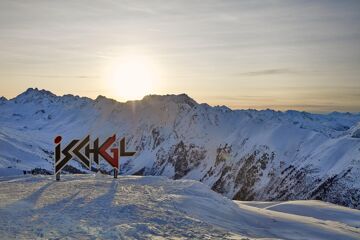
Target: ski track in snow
x=96 y=206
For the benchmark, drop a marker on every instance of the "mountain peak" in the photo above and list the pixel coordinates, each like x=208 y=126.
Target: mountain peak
x=37 y=91
x=105 y=100
x=177 y=98
x=32 y=94
x=3 y=99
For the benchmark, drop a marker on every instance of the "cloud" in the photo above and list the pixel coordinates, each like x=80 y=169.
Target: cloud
x=270 y=72
x=282 y=51
x=57 y=76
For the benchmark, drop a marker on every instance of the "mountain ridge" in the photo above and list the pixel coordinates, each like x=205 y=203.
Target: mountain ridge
x=165 y=96
x=243 y=154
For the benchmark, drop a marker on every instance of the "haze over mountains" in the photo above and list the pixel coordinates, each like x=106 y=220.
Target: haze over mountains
x=242 y=154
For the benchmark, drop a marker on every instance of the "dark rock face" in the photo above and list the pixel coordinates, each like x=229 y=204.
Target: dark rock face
x=182 y=157
x=240 y=176
x=256 y=176
x=3 y=100
x=40 y=171
x=223 y=153
x=249 y=173
x=336 y=190
x=185 y=158
x=73 y=170
x=157 y=138
x=356 y=134
x=295 y=184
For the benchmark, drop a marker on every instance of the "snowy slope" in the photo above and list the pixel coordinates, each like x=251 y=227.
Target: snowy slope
x=314 y=209
x=242 y=154
x=98 y=206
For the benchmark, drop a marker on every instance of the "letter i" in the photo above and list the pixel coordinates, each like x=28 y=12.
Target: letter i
x=57 y=153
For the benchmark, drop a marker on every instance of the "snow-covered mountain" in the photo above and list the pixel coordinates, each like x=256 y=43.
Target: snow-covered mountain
x=242 y=154
x=132 y=207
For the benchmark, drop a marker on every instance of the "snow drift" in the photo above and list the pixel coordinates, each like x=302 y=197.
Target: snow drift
x=97 y=206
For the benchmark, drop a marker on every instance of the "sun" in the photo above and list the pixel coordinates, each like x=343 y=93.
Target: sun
x=133 y=77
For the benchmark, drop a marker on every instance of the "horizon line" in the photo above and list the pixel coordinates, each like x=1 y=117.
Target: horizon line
x=258 y=108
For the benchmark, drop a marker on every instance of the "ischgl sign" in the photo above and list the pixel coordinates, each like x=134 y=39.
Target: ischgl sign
x=87 y=152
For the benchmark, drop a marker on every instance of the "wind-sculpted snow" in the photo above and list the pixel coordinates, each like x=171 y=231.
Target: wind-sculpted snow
x=100 y=207
x=242 y=154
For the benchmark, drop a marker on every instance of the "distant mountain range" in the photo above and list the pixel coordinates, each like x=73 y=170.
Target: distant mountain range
x=242 y=154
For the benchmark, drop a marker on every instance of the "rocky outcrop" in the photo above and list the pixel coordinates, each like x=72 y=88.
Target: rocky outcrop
x=181 y=157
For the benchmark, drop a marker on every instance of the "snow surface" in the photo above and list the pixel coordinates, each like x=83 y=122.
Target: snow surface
x=270 y=155
x=95 y=206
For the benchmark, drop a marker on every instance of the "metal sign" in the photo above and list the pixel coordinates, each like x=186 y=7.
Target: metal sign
x=86 y=154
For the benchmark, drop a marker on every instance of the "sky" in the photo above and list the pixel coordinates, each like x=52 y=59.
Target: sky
x=301 y=55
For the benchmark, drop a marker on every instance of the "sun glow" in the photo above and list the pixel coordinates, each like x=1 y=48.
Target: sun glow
x=133 y=77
